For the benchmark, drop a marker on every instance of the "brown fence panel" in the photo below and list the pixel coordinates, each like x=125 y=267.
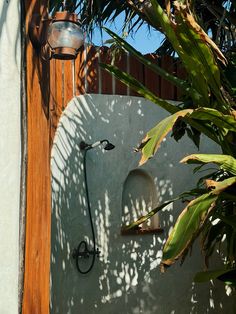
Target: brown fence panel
x=151 y=79
x=136 y=69
x=106 y=78
x=91 y=74
x=168 y=90
x=122 y=64
x=80 y=73
x=68 y=83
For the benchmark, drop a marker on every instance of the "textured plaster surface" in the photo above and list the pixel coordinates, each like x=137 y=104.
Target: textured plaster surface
x=126 y=278
x=10 y=154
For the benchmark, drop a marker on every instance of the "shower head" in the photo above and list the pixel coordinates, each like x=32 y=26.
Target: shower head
x=85 y=146
x=109 y=146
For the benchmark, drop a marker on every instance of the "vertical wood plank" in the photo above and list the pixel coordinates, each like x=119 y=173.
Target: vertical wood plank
x=168 y=90
x=137 y=71
x=80 y=72
x=151 y=79
x=106 y=78
x=92 y=70
x=38 y=211
x=68 y=81
x=57 y=102
x=121 y=63
x=53 y=113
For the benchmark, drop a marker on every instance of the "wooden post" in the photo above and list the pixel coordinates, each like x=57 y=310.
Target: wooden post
x=38 y=208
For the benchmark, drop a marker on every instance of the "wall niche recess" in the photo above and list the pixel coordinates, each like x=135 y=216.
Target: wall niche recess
x=139 y=197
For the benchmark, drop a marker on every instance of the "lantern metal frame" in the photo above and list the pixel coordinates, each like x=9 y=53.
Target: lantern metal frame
x=38 y=33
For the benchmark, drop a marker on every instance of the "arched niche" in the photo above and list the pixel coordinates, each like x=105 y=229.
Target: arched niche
x=139 y=197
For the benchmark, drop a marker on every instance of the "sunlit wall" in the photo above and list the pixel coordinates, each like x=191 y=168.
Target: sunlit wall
x=10 y=157
x=126 y=277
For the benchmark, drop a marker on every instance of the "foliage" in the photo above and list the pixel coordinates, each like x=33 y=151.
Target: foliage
x=207 y=108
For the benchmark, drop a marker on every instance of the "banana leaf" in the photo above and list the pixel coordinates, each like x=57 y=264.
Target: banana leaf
x=226 y=162
x=182 y=196
x=139 y=87
x=144 y=218
x=182 y=84
x=227 y=122
x=190 y=222
x=155 y=136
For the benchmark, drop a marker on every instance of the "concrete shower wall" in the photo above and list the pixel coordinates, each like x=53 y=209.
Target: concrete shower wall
x=126 y=278
x=10 y=157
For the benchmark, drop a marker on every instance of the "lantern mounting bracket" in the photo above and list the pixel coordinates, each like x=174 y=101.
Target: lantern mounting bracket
x=38 y=30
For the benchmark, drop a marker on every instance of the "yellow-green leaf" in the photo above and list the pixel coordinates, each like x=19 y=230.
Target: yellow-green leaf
x=155 y=136
x=226 y=162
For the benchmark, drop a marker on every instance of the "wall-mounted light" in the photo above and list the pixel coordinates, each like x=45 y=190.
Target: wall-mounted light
x=59 y=37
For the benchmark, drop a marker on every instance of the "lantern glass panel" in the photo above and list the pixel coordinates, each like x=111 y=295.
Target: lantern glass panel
x=65 y=34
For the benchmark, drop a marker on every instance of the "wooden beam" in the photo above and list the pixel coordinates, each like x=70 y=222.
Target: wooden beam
x=38 y=208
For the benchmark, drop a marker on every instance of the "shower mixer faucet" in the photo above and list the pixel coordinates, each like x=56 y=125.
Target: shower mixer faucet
x=84 y=252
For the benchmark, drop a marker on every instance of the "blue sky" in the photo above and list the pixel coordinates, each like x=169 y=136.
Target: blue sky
x=143 y=40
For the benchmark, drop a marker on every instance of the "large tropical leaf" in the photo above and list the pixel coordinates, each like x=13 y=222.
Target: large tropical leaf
x=183 y=196
x=227 y=122
x=182 y=84
x=227 y=163
x=153 y=212
x=199 y=60
x=187 y=227
x=155 y=136
x=139 y=87
x=190 y=222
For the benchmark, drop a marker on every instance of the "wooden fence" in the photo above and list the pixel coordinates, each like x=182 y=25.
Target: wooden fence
x=84 y=75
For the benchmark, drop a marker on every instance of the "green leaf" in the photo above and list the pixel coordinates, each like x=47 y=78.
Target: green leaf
x=226 y=162
x=199 y=59
x=144 y=218
x=139 y=87
x=190 y=222
x=187 y=227
x=218 y=118
x=155 y=136
x=226 y=275
x=160 y=19
x=154 y=67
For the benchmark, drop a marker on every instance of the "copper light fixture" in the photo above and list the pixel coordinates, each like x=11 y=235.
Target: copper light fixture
x=59 y=37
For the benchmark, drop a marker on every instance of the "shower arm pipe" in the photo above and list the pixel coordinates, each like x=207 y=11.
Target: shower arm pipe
x=85 y=146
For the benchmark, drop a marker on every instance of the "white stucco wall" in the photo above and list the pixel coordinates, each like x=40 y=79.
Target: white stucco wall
x=126 y=278
x=10 y=54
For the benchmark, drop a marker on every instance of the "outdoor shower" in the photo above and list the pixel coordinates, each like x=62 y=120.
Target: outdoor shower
x=82 y=250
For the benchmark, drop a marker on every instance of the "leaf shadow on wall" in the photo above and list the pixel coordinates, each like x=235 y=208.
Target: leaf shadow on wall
x=126 y=278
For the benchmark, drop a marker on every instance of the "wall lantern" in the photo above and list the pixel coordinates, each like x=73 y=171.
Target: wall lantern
x=59 y=37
